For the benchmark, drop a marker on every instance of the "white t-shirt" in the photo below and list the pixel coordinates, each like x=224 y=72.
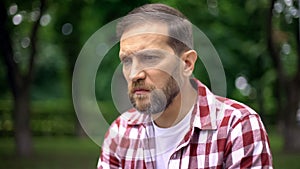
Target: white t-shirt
x=167 y=139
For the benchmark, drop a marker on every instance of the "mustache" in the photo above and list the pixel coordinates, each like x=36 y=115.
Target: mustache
x=140 y=85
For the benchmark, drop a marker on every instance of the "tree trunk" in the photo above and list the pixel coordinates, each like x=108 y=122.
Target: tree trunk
x=288 y=88
x=292 y=129
x=21 y=115
x=19 y=83
x=19 y=88
x=291 y=139
x=274 y=53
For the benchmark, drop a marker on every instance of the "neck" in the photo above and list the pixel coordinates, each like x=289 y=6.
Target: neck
x=178 y=109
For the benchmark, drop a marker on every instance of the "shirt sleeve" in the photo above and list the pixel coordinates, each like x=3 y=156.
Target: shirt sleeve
x=108 y=158
x=248 y=144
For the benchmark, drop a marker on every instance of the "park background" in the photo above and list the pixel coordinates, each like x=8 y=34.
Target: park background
x=257 y=41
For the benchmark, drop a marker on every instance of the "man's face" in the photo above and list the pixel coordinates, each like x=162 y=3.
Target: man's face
x=150 y=67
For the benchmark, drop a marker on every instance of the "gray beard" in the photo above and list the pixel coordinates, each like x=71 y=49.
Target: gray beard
x=159 y=99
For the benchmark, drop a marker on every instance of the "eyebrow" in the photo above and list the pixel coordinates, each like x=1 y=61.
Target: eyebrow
x=146 y=52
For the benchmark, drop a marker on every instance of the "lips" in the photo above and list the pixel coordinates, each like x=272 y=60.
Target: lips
x=140 y=88
x=141 y=91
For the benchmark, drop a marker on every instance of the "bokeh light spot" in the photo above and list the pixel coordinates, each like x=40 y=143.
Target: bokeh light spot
x=67 y=29
x=17 y=19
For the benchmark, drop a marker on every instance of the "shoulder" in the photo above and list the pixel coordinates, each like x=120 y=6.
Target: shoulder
x=233 y=113
x=246 y=136
x=236 y=108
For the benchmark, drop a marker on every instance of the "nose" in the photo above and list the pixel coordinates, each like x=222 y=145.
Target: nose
x=136 y=73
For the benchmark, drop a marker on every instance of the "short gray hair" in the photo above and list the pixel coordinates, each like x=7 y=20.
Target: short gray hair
x=179 y=27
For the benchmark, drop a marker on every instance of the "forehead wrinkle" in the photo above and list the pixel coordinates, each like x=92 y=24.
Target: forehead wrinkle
x=158 y=52
x=130 y=51
x=131 y=45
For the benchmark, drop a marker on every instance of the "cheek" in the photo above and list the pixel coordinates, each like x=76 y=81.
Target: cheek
x=126 y=75
x=158 y=78
x=170 y=66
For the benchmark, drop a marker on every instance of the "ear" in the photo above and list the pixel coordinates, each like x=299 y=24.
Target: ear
x=189 y=58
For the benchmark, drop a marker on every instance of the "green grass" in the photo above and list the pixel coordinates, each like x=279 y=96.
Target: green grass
x=282 y=159
x=52 y=153
x=74 y=153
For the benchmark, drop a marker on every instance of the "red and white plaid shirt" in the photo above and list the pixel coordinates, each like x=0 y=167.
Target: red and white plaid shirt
x=223 y=134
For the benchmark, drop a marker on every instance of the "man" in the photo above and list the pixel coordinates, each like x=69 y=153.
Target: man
x=176 y=121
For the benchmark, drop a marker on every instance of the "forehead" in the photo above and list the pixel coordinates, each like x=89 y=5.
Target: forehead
x=146 y=36
x=150 y=27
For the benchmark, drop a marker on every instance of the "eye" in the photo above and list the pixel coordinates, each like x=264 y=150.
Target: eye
x=150 y=58
x=126 y=61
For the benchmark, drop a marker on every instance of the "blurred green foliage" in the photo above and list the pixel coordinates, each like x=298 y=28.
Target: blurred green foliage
x=50 y=117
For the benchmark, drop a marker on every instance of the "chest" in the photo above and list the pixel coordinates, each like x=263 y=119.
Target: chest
x=202 y=150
